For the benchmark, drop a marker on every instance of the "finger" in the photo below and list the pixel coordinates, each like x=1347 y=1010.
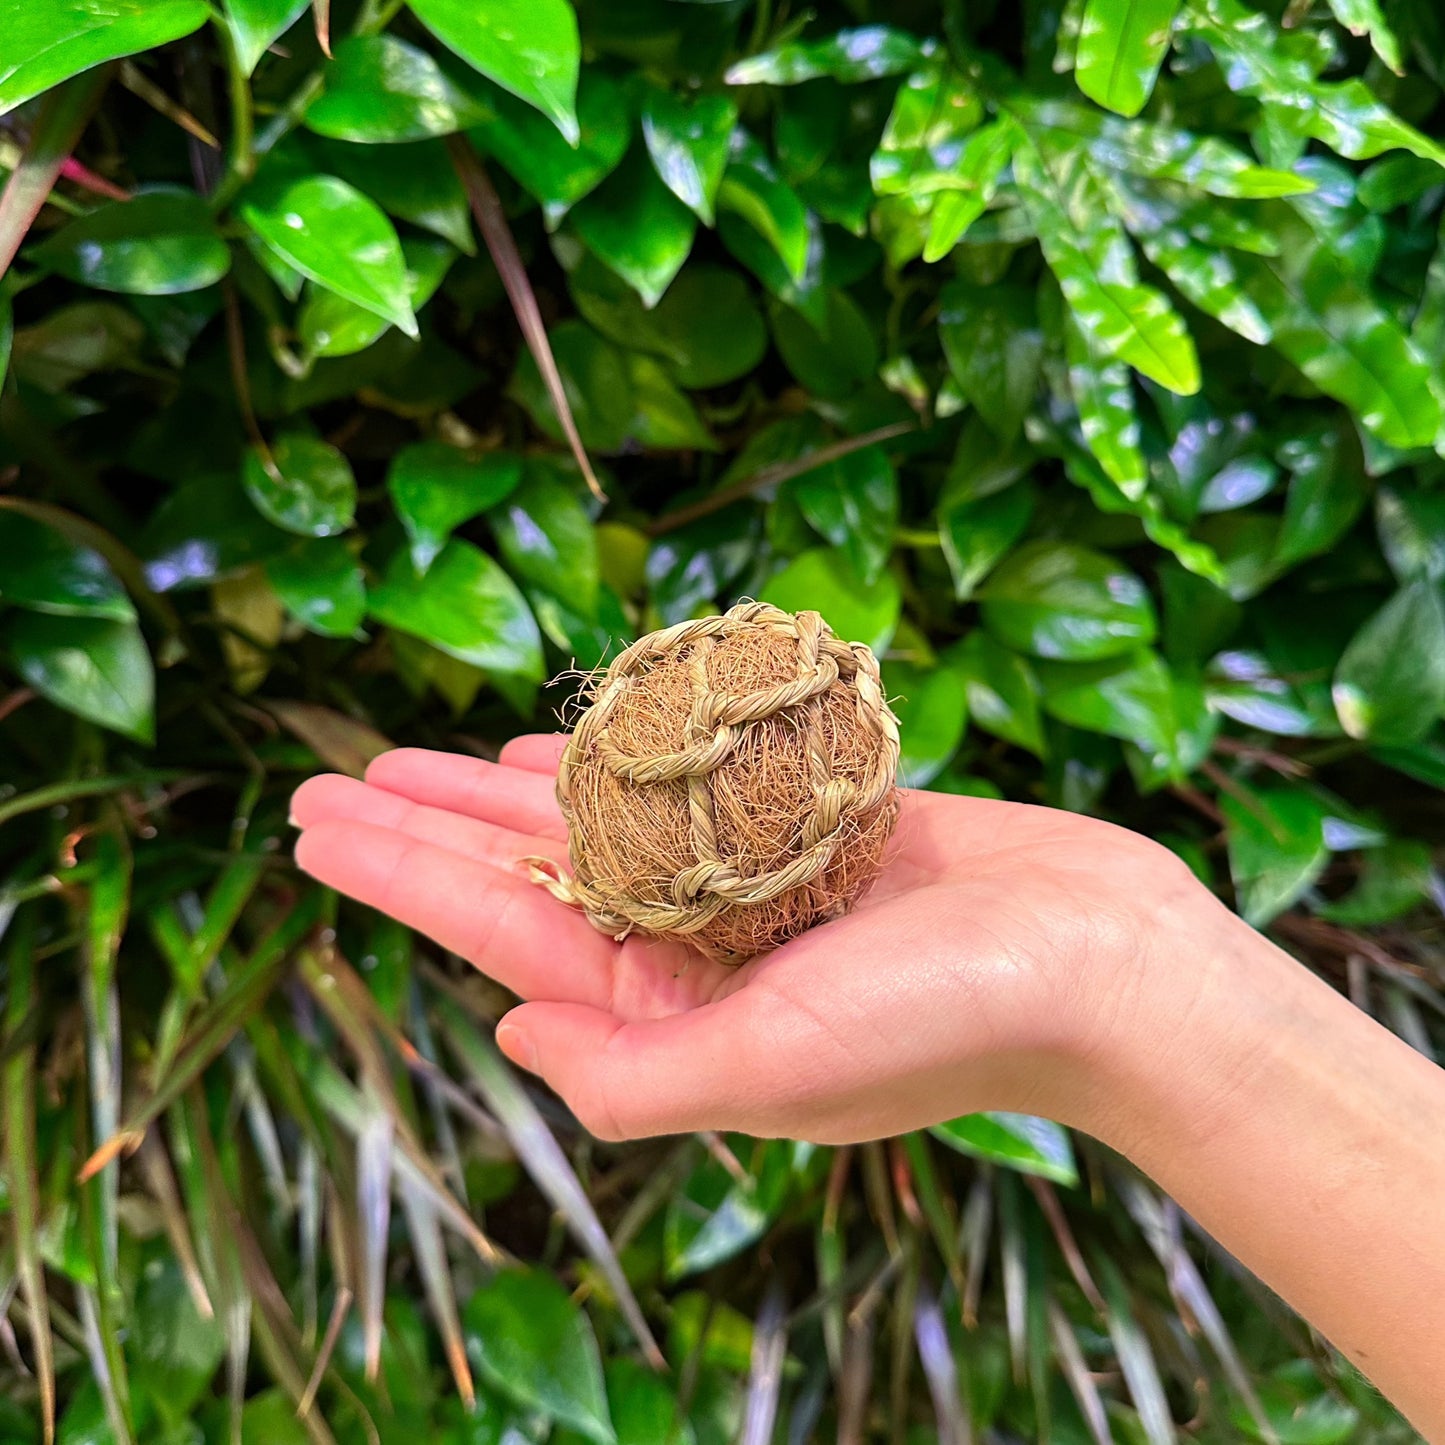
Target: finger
x=518 y=798
x=534 y=752
x=333 y=796
x=507 y=926
x=626 y=1080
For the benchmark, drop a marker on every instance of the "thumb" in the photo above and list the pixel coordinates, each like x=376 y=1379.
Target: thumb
x=674 y=1075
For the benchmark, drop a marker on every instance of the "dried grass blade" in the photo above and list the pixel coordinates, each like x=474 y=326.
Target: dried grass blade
x=1076 y=1372
x=63 y=115
x=542 y=1157
x=431 y=1261
x=373 y=1209
x=765 y=1378
x=22 y=1166
x=1136 y=1360
x=935 y=1353
x=167 y=1196
x=492 y=223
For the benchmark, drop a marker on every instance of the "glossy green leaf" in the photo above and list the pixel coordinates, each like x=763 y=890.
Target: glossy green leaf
x=977 y=535
x=1120 y=49
x=380 y=88
x=1411 y=527
x=832 y=355
x=663 y=418
x=333 y=235
x=1018 y=1141
x=528 y=47
x=853 y=503
x=330 y=325
x=867 y=53
x=465 y=605
x=256 y=24
x=415 y=183
x=994 y=348
x=157 y=244
x=824 y=581
x=435 y=488
x=47 y=41
x=1276 y=849
x=1002 y=690
x=1327 y=492
x=596 y=382
x=1135 y=698
x=1161 y=152
x=531 y=1341
x=1390 y=684
x=707 y=329
x=557 y=171
x=928 y=134
x=1393 y=880
x=1108 y=417
x=752 y=189
x=688 y=141
x=48 y=572
x=308 y=487
x=321 y=585
x=1091 y=257
x=932 y=710
x=1343 y=114
x=94 y=667
x=545 y=536
x=638 y=227
x=979 y=168
x=1062 y=601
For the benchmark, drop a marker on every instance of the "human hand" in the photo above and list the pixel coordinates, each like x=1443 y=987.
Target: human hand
x=999 y=956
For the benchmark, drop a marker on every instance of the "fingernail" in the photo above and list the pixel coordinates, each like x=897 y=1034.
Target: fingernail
x=518 y=1047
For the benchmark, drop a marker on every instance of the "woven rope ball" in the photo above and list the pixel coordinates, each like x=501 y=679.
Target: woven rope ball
x=731 y=783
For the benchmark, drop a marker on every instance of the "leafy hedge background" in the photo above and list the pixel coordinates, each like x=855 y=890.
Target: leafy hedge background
x=1084 y=358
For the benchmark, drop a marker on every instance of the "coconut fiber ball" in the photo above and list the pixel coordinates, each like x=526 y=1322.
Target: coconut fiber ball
x=730 y=783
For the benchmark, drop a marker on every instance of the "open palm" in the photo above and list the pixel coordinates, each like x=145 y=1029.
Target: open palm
x=994 y=946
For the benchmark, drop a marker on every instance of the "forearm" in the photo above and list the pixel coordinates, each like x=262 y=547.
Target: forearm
x=1311 y=1143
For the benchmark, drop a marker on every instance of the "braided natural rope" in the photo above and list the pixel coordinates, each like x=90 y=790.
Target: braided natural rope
x=835 y=725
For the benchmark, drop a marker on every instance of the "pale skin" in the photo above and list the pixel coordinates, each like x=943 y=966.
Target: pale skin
x=1010 y=957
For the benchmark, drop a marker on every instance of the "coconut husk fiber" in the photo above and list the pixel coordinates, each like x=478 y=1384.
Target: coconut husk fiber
x=730 y=783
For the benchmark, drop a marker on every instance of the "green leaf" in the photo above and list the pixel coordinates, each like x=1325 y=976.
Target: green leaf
x=645 y=1407
x=994 y=347
x=1393 y=879
x=1363 y=17
x=868 y=53
x=416 y=183
x=321 y=585
x=1108 y=418
x=833 y=355
x=1276 y=849
x=48 y=572
x=435 y=488
x=1088 y=252
x=1411 y=525
x=1062 y=601
x=688 y=142
x=545 y=536
x=853 y=503
x=595 y=380
x=160 y=243
x=333 y=235
x=96 y=668
x=309 y=489
x=663 y=418
x=559 y=172
x=977 y=535
x=47 y=41
x=707 y=329
x=824 y=581
x=978 y=170
x=1160 y=152
x=270 y=1419
x=932 y=711
x=256 y=24
x=1120 y=49
x=531 y=1341
x=1018 y=1141
x=1390 y=684
x=465 y=605
x=529 y=47
x=926 y=140
x=1327 y=492
x=1257 y=61
x=638 y=227
x=753 y=190
x=379 y=88
x=1137 y=699
x=175 y=1349
x=1002 y=690
x=332 y=326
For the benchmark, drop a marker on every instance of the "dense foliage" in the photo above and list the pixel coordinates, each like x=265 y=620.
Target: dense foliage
x=1083 y=357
